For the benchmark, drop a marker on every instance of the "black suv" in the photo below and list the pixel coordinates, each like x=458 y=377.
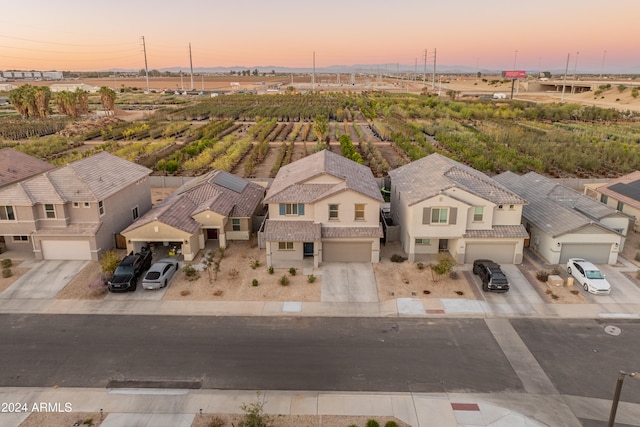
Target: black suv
x=125 y=278
x=493 y=279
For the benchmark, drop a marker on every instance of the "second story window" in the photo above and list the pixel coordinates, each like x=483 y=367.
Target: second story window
x=235 y=224
x=333 y=212
x=359 y=214
x=101 y=207
x=49 y=210
x=134 y=213
x=478 y=214
x=439 y=215
x=620 y=206
x=291 y=208
x=6 y=213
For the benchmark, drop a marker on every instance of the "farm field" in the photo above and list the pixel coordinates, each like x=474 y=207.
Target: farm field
x=254 y=135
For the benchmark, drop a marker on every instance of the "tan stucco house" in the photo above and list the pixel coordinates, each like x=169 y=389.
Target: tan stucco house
x=324 y=207
x=622 y=194
x=74 y=212
x=217 y=206
x=564 y=223
x=444 y=206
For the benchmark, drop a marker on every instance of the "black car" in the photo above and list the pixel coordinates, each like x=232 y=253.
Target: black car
x=125 y=277
x=491 y=275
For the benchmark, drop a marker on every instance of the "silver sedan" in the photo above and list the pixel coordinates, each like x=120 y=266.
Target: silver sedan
x=160 y=273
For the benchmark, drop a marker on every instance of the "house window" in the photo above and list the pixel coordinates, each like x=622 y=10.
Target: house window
x=76 y=204
x=134 y=213
x=604 y=199
x=439 y=215
x=20 y=238
x=423 y=242
x=291 y=208
x=87 y=204
x=235 y=224
x=285 y=246
x=620 y=206
x=101 y=207
x=478 y=214
x=333 y=212
x=6 y=213
x=49 y=210
x=359 y=211
x=512 y=207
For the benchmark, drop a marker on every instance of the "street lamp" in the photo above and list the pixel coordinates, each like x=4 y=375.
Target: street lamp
x=616 y=395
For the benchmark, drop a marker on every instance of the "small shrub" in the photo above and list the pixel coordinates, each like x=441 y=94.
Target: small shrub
x=221 y=250
x=634 y=92
x=254 y=282
x=189 y=270
x=109 y=261
x=554 y=296
x=233 y=273
x=270 y=270
x=637 y=257
x=372 y=423
x=311 y=278
x=459 y=292
x=420 y=266
x=453 y=275
x=254 y=415
x=216 y=421
x=574 y=291
x=218 y=293
x=6 y=263
x=255 y=264
x=555 y=271
x=621 y=88
x=185 y=292
x=548 y=292
x=6 y=272
x=391 y=424
x=352 y=425
x=292 y=271
x=397 y=258
x=284 y=280
x=542 y=275
x=88 y=422
x=100 y=282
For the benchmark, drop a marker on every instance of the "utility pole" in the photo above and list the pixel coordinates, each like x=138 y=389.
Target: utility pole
x=602 y=68
x=575 y=67
x=564 y=81
x=313 y=76
x=415 y=71
x=146 y=68
x=424 y=75
x=191 y=65
x=433 y=78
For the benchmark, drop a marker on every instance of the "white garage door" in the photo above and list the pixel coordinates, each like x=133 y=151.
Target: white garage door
x=598 y=254
x=501 y=253
x=65 y=249
x=346 y=251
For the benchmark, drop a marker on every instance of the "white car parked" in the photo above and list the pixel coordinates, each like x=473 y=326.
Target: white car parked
x=588 y=275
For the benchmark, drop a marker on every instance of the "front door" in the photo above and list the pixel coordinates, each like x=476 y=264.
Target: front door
x=308 y=248
x=212 y=234
x=443 y=245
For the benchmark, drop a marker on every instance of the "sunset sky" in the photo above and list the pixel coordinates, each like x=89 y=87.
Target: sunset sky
x=83 y=35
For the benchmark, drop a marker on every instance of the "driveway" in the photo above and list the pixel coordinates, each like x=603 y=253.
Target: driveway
x=44 y=280
x=348 y=282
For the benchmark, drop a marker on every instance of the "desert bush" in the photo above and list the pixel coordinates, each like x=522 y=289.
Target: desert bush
x=637 y=257
x=6 y=263
x=216 y=421
x=100 y=282
x=398 y=258
x=190 y=272
x=270 y=270
x=6 y=272
x=254 y=282
x=284 y=280
x=420 y=266
x=391 y=424
x=542 y=275
x=555 y=271
x=621 y=88
x=634 y=92
x=444 y=266
x=372 y=423
x=255 y=264
x=638 y=274
x=109 y=261
x=233 y=273
x=292 y=271
x=311 y=278
x=254 y=415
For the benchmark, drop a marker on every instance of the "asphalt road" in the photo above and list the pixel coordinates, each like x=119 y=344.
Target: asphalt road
x=322 y=354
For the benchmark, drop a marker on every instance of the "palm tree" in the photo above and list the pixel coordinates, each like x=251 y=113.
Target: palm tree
x=82 y=97
x=108 y=98
x=24 y=100
x=42 y=97
x=67 y=103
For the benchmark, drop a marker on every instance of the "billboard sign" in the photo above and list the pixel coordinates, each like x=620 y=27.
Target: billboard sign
x=516 y=74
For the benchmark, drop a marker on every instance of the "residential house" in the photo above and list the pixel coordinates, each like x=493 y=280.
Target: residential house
x=622 y=193
x=444 y=206
x=75 y=211
x=215 y=207
x=16 y=166
x=325 y=207
x=564 y=223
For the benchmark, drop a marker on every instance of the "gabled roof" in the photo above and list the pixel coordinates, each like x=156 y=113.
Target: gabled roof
x=94 y=178
x=428 y=176
x=290 y=184
x=16 y=166
x=625 y=189
x=554 y=207
x=216 y=191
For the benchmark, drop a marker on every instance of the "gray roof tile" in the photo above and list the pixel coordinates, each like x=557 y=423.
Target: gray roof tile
x=499 y=232
x=292 y=231
x=354 y=232
x=16 y=166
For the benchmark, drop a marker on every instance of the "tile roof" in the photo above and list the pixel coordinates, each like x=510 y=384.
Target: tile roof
x=292 y=231
x=201 y=194
x=93 y=178
x=499 y=232
x=625 y=189
x=289 y=183
x=554 y=207
x=426 y=177
x=331 y=232
x=16 y=166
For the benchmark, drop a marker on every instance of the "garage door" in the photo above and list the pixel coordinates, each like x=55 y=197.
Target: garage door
x=501 y=253
x=598 y=254
x=65 y=250
x=346 y=251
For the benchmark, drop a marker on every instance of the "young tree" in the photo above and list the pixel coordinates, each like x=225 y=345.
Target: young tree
x=321 y=126
x=108 y=98
x=23 y=100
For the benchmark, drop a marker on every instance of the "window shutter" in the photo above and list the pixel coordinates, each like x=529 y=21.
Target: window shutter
x=282 y=211
x=426 y=215
x=453 y=215
x=300 y=208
